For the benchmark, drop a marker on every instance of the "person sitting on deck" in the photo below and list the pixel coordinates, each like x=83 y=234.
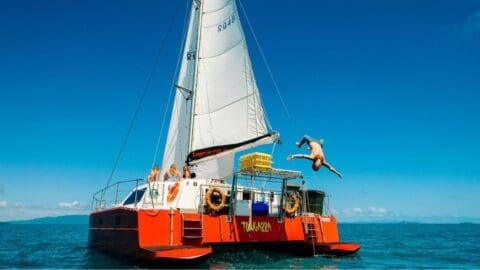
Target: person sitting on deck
x=153 y=176
x=172 y=175
x=186 y=172
x=316 y=154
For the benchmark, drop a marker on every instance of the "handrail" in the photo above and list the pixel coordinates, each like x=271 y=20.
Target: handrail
x=102 y=202
x=118 y=182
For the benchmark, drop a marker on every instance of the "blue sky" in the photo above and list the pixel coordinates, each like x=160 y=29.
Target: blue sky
x=392 y=87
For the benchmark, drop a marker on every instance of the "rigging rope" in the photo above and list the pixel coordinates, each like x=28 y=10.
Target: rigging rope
x=142 y=97
x=268 y=69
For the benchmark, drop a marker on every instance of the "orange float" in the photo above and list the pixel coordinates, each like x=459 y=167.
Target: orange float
x=294 y=207
x=215 y=206
x=173 y=192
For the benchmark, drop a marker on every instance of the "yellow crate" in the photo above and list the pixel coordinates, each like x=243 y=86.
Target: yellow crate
x=257 y=161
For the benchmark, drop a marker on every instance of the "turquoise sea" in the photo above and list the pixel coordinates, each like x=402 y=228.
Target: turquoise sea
x=383 y=246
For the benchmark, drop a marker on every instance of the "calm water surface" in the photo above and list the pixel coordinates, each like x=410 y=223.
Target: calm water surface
x=383 y=246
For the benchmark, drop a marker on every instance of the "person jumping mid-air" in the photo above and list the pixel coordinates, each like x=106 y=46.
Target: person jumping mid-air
x=316 y=154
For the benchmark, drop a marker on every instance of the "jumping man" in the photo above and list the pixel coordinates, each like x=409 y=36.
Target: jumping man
x=316 y=154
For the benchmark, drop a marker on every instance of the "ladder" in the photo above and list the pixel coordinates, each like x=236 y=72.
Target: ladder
x=192 y=227
x=310 y=230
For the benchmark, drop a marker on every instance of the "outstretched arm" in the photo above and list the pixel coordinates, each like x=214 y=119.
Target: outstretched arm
x=331 y=168
x=300 y=156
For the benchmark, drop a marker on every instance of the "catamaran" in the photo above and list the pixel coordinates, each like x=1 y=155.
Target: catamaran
x=217 y=112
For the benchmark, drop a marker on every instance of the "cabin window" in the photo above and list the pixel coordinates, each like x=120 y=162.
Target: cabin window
x=131 y=199
x=246 y=195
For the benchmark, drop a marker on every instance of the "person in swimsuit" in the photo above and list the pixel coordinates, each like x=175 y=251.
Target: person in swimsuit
x=186 y=172
x=316 y=155
x=154 y=174
x=172 y=175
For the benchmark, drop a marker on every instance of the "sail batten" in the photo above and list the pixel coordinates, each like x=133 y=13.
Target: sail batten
x=224 y=52
x=229 y=104
x=219 y=8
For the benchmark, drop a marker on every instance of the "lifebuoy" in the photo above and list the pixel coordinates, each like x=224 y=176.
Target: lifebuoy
x=172 y=192
x=212 y=205
x=291 y=208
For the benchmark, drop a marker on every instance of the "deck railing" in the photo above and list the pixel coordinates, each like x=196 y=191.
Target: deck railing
x=114 y=194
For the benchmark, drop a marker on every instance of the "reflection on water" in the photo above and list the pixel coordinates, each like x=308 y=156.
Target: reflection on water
x=96 y=260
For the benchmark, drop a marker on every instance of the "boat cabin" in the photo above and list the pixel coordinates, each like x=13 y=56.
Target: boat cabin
x=251 y=192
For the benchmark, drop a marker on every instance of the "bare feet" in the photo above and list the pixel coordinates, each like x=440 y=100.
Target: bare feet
x=290 y=157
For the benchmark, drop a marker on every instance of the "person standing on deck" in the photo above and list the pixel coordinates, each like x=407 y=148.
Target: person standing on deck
x=316 y=155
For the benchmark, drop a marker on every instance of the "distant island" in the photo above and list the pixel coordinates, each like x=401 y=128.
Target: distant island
x=62 y=220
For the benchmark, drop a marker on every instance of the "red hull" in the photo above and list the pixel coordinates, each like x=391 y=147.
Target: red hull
x=162 y=236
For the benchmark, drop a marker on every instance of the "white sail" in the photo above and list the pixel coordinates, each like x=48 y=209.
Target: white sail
x=227 y=113
x=216 y=168
x=217 y=81
x=178 y=138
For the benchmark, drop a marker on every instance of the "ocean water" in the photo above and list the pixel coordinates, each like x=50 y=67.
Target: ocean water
x=383 y=246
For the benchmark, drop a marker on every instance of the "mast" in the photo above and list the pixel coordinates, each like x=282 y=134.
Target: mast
x=195 y=74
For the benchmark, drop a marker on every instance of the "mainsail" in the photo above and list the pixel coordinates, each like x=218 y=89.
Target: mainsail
x=217 y=109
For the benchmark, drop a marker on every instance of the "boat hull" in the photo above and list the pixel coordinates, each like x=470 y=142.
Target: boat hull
x=166 y=238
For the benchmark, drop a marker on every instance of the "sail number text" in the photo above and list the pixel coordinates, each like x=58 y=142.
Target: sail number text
x=229 y=21
x=191 y=55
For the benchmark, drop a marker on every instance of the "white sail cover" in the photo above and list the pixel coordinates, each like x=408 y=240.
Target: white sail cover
x=227 y=111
